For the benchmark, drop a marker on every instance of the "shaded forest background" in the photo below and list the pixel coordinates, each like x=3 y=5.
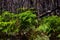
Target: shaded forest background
x=41 y=6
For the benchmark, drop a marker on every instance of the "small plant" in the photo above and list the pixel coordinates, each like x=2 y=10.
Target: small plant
x=7 y=16
x=27 y=19
x=50 y=25
x=8 y=23
x=11 y=23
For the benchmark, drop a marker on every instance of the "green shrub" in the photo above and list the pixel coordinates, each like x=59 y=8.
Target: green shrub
x=7 y=16
x=11 y=23
x=27 y=19
x=50 y=25
x=8 y=22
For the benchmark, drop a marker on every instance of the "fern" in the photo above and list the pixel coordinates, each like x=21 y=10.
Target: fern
x=49 y=23
x=11 y=23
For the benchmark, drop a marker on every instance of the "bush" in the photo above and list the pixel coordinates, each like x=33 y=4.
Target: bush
x=7 y=16
x=51 y=22
x=8 y=23
x=11 y=23
x=27 y=20
x=49 y=26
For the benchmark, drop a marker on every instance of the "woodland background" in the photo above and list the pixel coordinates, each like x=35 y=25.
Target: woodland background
x=18 y=11
x=41 y=6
